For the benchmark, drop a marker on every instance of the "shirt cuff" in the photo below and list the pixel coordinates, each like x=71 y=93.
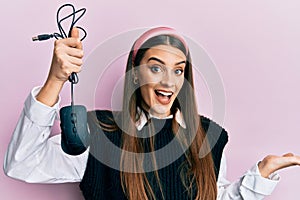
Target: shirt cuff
x=38 y=112
x=255 y=182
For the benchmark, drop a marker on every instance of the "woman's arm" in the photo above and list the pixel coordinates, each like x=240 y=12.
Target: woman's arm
x=251 y=186
x=34 y=157
x=67 y=58
x=272 y=163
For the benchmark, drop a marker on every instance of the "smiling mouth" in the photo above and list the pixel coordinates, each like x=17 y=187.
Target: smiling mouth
x=164 y=97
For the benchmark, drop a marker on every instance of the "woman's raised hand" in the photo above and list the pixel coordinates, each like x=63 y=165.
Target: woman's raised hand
x=67 y=58
x=272 y=163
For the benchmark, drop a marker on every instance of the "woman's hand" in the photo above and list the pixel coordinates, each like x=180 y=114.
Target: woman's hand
x=67 y=58
x=273 y=163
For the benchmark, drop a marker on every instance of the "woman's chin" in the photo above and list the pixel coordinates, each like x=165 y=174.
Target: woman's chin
x=160 y=111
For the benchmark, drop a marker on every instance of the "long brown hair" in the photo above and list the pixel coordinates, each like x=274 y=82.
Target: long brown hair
x=197 y=174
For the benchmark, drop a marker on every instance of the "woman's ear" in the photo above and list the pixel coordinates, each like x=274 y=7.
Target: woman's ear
x=135 y=76
x=135 y=80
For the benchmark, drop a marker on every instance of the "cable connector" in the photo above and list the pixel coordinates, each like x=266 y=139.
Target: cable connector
x=42 y=37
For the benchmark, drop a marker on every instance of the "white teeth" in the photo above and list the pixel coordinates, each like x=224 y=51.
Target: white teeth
x=164 y=93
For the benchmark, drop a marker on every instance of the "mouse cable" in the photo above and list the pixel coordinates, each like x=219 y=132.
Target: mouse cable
x=73 y=78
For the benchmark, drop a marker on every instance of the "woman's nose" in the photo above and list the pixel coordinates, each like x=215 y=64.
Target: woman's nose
x=168 y=79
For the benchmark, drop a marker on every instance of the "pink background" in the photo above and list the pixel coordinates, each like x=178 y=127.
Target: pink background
x=254 y=44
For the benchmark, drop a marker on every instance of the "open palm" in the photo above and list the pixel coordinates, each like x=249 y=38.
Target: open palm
x=272 y=163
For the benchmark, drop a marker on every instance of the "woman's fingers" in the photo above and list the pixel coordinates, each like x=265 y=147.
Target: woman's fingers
x=75 y=32
x=78 y=53
x=288 y=155
x=70 y=42
x=73 y=42
x=272 y=163
x=75 y=61
x=289 y=159
x=71 y=68
x=70 y=64
x=67 y=58
x=294 y=160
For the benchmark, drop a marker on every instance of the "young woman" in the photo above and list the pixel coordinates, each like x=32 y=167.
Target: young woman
x=165 y=150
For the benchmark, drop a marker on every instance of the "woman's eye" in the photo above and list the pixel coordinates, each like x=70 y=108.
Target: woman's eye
x=155 y=69
x=178 y=71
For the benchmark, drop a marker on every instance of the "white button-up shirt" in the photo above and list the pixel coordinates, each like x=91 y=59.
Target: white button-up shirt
x=35 y=157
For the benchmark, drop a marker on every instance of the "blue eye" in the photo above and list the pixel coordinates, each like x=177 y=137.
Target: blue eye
x=155 y=69
x=178 y=71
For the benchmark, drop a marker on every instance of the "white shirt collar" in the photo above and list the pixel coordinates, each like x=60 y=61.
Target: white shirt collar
x=143 y=119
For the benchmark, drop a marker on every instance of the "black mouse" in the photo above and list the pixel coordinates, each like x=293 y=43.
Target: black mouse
x=74 y=135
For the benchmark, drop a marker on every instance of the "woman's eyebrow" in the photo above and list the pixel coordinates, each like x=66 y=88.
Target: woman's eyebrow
x=181 y=62
x=156 y=59
x=162 y=62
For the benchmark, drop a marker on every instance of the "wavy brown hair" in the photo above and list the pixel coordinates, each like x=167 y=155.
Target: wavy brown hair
x=197 y=173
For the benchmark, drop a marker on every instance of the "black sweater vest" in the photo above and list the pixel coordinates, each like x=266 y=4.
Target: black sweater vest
x=101 y=182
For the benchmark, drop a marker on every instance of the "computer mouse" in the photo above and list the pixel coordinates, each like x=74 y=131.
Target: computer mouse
x=74 y=130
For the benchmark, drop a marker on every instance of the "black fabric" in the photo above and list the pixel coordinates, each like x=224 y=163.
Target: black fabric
x=103 y=182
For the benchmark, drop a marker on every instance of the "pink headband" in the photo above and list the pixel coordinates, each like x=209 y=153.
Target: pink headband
x=155 y=32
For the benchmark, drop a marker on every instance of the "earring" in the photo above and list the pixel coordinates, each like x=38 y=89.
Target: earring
x=135 y=80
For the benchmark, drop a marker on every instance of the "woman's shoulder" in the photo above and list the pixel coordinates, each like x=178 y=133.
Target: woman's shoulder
x=213 y=130
x=103 y=121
